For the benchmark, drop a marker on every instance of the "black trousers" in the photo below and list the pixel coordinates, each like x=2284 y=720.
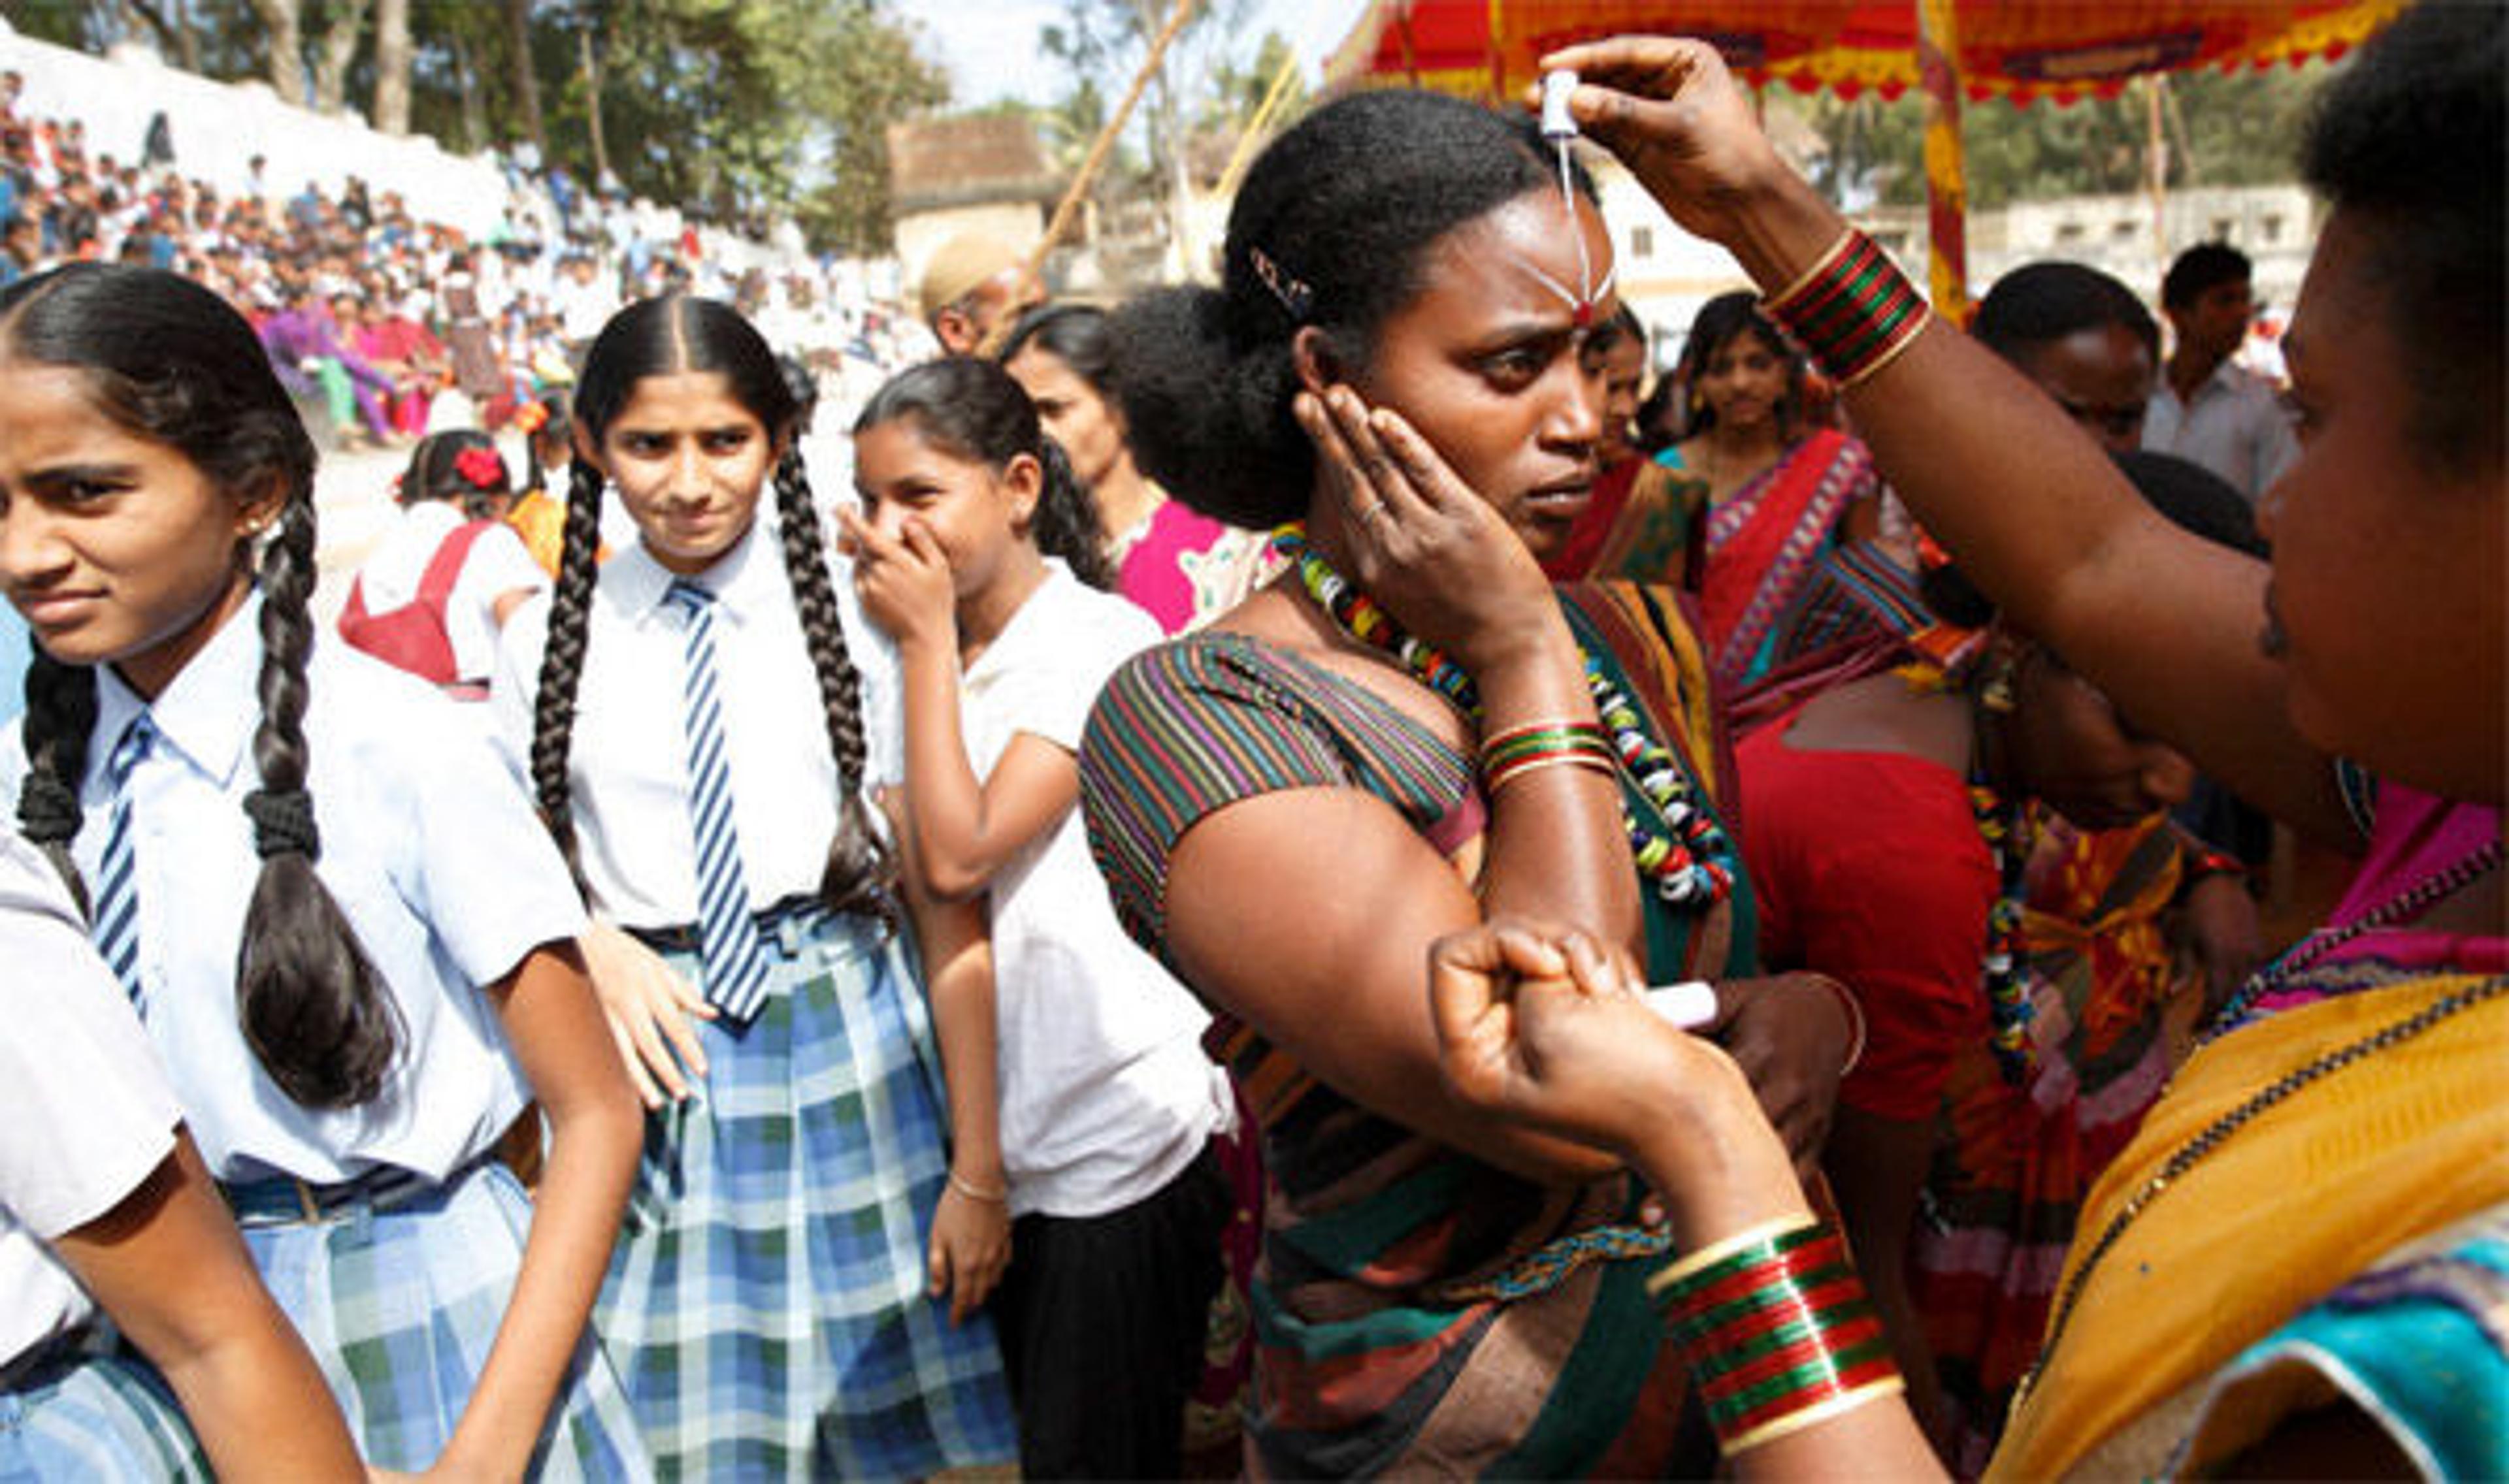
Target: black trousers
x=1102 y=1322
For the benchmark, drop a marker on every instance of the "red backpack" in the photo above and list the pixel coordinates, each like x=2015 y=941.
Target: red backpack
x=412 y=637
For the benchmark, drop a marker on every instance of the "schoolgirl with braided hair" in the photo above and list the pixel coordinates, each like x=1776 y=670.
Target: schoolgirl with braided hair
x=692 y=714
x=353 y=1000
x=979 y=551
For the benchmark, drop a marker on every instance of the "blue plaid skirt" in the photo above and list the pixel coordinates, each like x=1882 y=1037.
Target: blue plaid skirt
x=765 y=1305
x=399 y=1306
x=89 y=1409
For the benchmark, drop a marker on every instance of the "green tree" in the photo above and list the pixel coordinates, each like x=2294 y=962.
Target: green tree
x=2221 y=129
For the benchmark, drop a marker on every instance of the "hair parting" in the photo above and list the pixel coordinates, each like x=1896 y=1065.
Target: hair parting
x=659 y=337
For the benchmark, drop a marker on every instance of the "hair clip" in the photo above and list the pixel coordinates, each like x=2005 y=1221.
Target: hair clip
x=1294 y=295
x=481 y=467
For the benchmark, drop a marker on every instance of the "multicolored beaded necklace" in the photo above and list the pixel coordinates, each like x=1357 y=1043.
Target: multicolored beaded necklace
x=1690 y=860
x=2009 y=831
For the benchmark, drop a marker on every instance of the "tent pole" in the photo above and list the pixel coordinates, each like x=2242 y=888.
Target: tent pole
x=1946 y=177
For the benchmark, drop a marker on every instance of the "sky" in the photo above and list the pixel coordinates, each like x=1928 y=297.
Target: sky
x=990 y=49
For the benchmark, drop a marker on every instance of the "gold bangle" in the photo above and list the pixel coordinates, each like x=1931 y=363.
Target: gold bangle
x=1822 y=1412
x=1854 y=1009
x=974 y=1192
x=1717 y=1252
x=1508 y=773
x=1890 y=353
x=1820 y=265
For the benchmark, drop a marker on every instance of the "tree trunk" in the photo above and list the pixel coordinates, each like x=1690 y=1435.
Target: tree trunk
x=592 y=107
x=475 y=111
x=391 y=66
x=176 y=41
x=526 y=79
x=280 y=18
x=331 y=60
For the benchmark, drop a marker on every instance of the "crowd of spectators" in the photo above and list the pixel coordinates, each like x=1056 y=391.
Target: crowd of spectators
x=388 y=324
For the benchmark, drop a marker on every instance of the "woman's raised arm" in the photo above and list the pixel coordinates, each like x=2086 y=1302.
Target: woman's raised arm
x=2166 y=623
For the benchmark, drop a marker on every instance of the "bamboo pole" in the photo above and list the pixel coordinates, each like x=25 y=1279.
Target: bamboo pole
x=1253 y=139
x=1096 y=159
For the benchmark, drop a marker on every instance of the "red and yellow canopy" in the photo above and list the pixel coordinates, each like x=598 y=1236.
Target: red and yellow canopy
x=2017 y=50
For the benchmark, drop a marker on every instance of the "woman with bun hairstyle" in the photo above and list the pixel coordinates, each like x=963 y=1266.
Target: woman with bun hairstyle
x=1288 y=810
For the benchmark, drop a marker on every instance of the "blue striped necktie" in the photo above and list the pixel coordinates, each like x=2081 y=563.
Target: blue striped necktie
x=116 y=919
x=727 y=942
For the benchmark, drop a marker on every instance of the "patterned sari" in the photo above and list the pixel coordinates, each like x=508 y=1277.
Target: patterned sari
x=1787 y=608
x=1416 y=1311
x=2012 y=1163
x=2312 y=1212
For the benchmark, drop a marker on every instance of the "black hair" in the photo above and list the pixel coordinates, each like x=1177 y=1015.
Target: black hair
x=435 y=471
x=2038 y=304
x=1333 y=229
x=661 y=337
x=1082 y=336
x=1624 y=325
x=2411 y=142
x=2190 y=496
x=1720 y=322
x=169 y=361
x=803 y=384
x=556 y=428
x=2206 y=265
x=970 y=408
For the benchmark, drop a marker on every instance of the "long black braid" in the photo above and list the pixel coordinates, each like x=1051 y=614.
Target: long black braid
x=312 y=1006
x=60 y=712
x=570 y=634
x=861 y=878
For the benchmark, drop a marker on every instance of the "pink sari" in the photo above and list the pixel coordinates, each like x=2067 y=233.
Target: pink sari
x=1765 y=543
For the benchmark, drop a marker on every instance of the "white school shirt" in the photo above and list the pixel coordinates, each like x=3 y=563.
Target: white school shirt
x=431 y=850
x=1105 y=1092
x=627 y=760
x=498 y=563
x=90 y=1114
x=2234 y=425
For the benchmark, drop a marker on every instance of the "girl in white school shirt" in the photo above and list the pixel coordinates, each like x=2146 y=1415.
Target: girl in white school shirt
x=102 y=1193
x=350 y=943
x=692 y=718
x=972 y=551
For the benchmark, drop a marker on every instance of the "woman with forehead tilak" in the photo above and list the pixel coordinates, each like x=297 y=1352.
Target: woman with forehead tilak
x=1409 y=733
x=2288 y=1268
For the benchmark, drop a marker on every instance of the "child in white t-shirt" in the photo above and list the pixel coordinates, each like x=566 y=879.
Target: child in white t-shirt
x=980 y=553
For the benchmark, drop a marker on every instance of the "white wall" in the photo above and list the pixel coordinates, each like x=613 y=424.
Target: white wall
x=219 y=127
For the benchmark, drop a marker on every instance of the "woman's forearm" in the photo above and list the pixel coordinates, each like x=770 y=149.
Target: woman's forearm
x=596 y=1130
x=1558 y=848
x=167 y=1265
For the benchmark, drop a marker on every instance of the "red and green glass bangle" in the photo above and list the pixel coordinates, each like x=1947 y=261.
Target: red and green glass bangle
x=1854 y=311
x=1510 y=755
x=1779 y=1332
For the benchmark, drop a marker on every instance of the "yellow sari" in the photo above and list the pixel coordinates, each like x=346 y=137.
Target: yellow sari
x=2399 y=1143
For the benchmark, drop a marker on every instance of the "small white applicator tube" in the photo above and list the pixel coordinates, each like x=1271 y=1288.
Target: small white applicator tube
x=1555 y=120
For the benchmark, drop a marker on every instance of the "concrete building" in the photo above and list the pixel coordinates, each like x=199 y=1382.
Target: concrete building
x=982 y=173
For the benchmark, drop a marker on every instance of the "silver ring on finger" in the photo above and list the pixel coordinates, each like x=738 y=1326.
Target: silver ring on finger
x=1370 y=513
